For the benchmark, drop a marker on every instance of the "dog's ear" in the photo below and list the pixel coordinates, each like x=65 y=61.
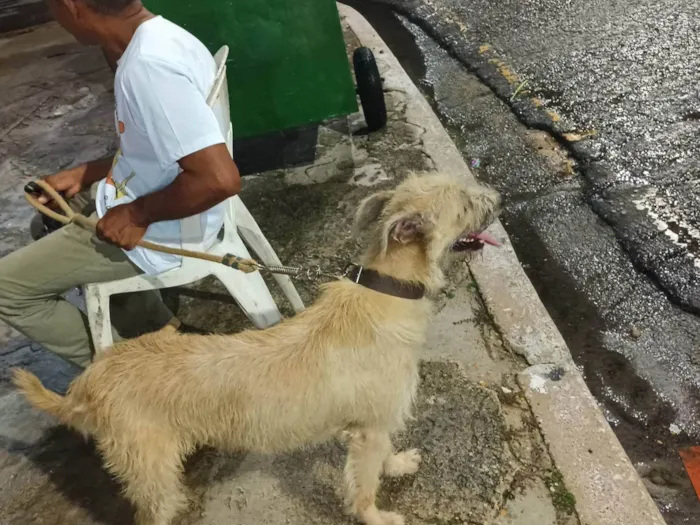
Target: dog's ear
x=370 y=209
x=403 y=229
x=407 y=229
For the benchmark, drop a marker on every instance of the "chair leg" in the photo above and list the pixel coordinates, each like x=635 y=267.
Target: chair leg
x=253 y=235
x=251 y=294
x=97 y=305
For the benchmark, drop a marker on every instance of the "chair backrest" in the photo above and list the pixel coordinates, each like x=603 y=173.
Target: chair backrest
x=218 y=97
x=191 y=227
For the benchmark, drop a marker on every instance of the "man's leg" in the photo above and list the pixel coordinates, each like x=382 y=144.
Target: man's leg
x=33 y=278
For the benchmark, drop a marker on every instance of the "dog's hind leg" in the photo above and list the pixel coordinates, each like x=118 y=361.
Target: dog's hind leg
x=150 y=468
x=368 y=450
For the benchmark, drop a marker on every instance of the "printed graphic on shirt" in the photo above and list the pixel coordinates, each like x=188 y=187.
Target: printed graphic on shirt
x=116 y=158
x=115 y=192
x=120 y=187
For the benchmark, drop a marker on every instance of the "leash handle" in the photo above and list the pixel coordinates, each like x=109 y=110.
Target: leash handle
x=40 y=186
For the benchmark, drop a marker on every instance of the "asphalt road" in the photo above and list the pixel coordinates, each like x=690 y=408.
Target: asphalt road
x=597 y=156
x=627 y=70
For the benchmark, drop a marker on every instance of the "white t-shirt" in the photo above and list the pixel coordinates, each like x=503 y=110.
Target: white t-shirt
x=161 y=86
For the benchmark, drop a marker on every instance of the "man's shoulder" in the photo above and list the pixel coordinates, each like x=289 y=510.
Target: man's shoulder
x=164 y=44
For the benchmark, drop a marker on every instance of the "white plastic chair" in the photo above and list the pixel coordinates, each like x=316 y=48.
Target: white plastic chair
x=248 y=290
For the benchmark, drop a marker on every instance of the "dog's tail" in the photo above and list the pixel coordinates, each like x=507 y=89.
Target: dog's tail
x=39 y=396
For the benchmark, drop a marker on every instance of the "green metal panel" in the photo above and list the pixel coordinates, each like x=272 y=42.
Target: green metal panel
x=287 y=66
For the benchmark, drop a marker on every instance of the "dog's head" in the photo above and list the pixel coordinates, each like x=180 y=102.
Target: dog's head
x=442 y=214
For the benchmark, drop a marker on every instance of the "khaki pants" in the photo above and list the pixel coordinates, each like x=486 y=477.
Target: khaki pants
x=33 y=278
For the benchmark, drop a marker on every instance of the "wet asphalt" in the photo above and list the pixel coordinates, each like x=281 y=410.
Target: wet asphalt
x=608 y=227
x=627 y=71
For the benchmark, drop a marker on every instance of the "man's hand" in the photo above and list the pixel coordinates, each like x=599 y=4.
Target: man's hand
x=73 y=181
x=122 y=226
x=68 y=182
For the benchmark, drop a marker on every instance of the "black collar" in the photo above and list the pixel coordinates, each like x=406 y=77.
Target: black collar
x=385 y=284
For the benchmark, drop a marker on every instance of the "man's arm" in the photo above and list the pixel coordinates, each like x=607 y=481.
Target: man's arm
x=94 y=171
x=209 y=177
x=182 y=129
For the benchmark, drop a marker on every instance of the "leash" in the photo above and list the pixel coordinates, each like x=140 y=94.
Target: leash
x=358 y=274
x=230 y=260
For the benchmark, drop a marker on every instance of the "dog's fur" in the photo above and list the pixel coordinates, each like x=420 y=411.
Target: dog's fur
x=346 y=366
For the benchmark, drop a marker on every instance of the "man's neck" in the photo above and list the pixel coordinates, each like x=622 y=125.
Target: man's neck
x=118 y=34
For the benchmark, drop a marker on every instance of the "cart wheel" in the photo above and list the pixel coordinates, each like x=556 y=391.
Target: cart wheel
x=369 y=87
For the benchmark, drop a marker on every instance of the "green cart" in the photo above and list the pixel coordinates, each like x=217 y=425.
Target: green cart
x=287 y=68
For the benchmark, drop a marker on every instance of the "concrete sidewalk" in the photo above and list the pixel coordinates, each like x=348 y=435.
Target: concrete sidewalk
x=509 y=433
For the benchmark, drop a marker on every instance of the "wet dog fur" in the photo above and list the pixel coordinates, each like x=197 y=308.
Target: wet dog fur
x=346 y=366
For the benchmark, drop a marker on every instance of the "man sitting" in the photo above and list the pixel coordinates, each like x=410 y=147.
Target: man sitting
x=172 y=163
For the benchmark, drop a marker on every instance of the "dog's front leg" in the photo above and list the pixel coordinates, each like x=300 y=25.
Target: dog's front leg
x=367 y=452
x=402 y=463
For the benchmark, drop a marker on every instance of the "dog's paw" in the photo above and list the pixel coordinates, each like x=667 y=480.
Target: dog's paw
x=391 y=518
x=374 y=516
x=402 y=464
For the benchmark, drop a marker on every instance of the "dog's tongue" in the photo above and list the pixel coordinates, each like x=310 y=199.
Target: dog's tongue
x=485 y=237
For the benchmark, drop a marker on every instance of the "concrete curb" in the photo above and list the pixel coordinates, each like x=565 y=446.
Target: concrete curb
x=596 y=469
x=594 y=465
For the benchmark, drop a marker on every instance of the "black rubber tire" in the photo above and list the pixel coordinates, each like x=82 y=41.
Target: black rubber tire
x=370 y=89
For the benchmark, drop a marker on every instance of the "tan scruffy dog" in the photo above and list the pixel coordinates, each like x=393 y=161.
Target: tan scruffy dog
x=346 y=366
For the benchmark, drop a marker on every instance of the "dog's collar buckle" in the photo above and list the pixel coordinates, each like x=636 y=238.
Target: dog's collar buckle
x=385 y=284
x=350 y=268
x=353 y=272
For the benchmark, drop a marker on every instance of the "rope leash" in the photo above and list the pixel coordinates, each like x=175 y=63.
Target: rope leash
x=230 y=260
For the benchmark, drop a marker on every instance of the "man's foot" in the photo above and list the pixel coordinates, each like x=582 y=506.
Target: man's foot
x=41 y=226
x=37 y=229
